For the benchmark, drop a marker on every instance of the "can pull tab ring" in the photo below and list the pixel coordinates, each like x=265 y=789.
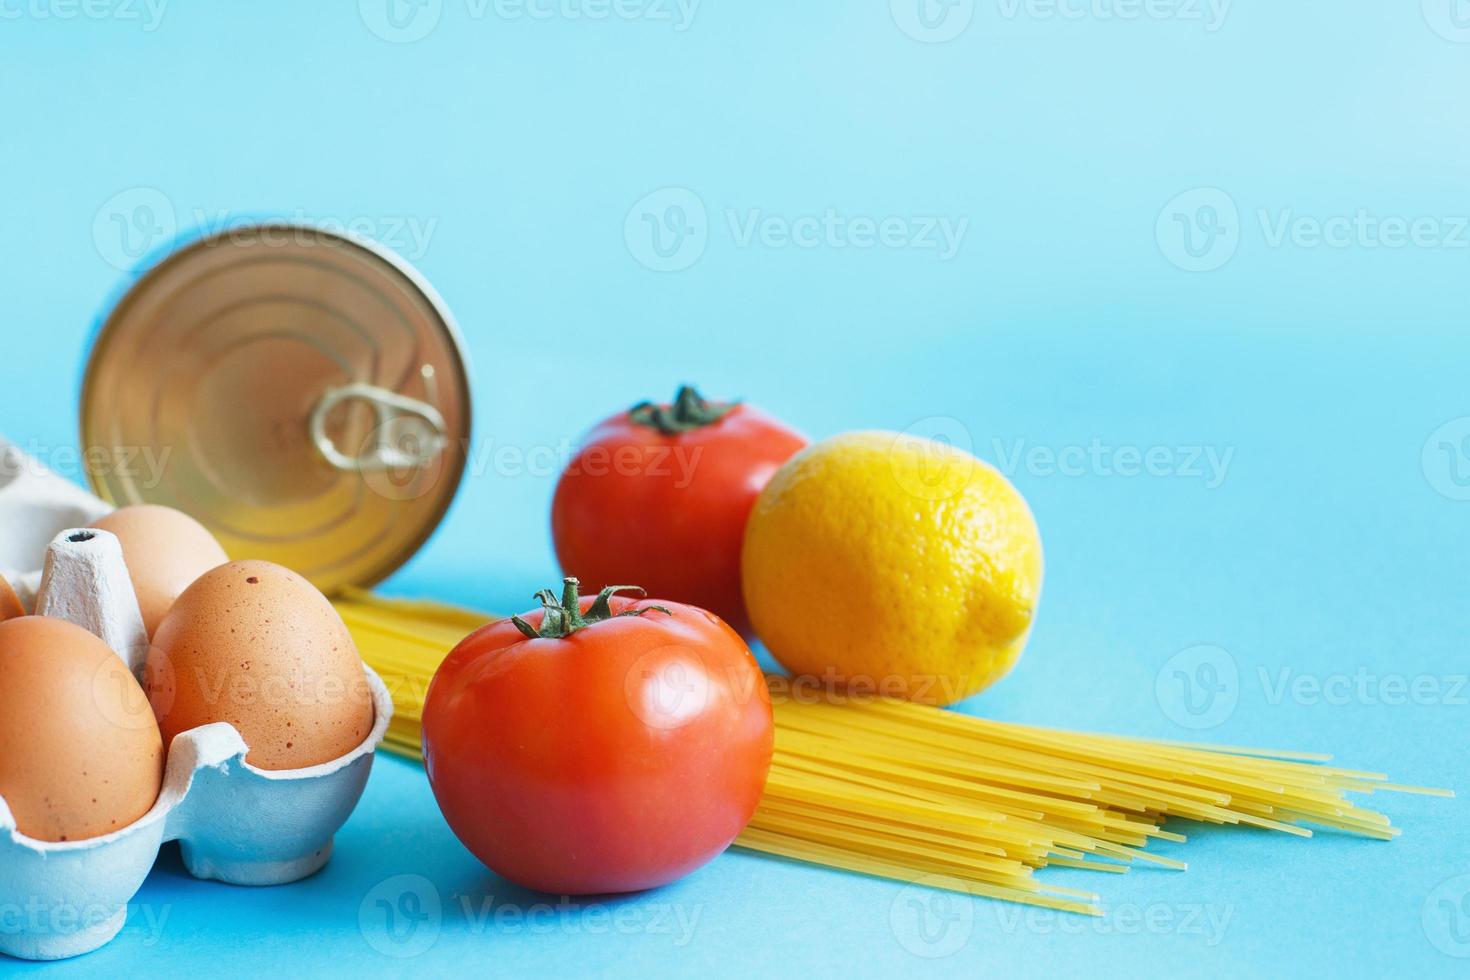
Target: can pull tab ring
x=409 y=434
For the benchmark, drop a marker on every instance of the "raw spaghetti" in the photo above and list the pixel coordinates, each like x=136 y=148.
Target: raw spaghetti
x=914 y=793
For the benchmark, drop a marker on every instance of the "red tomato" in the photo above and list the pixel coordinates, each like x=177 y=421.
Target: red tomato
x=611 y=751
x=660 y=494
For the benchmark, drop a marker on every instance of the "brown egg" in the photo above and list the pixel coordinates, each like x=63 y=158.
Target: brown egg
x=166 y=550
x=256 y=645
x=80 y=753
x=10 y=604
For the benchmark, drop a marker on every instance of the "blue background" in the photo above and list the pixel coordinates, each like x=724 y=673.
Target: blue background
x=1334 y=376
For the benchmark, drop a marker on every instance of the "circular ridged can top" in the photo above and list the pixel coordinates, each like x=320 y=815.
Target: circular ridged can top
x=299 y=392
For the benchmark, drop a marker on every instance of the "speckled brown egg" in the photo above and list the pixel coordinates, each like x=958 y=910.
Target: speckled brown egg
x=80 y=753
x=165 y=551
x=256 y=645
x=10 y=604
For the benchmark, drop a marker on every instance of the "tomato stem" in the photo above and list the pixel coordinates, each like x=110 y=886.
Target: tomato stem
x=563 y=617
x=688 y=412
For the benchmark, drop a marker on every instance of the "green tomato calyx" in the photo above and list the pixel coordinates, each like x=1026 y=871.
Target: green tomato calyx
x=689 y=411
x=563 y=617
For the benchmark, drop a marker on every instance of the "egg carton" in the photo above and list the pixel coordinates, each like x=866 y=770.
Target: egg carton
x=234 y=822
x=35 y=503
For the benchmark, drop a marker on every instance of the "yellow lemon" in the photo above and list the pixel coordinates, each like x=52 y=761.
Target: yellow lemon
x=893 y=564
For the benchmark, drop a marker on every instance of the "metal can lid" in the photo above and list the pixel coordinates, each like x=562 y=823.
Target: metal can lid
x=300 y=392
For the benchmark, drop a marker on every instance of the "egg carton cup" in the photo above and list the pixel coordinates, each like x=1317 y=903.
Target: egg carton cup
x=234 y=822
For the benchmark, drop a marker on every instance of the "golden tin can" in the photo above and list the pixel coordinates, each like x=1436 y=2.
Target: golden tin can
x=300 y=392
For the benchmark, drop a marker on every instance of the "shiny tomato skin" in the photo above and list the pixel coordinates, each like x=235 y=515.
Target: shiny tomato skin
x=619 y=758
x=668 y=511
